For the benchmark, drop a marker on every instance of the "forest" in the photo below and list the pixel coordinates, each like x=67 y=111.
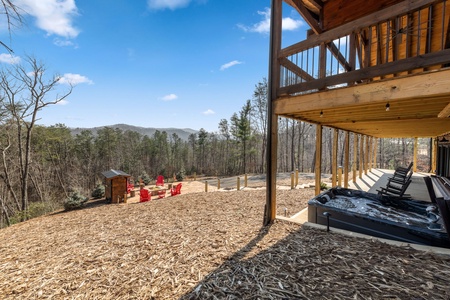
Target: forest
x=41 y=166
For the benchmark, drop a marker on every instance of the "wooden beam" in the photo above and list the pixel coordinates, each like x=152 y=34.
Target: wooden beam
x=322 y=61
x=334 y=158
x=272 y=133
x=346 y=157
x=400 y=128
x=312 y=21
x=445 y=113
x=338 y=55
x=318 y=166
x=407 y=64
x=411 y=87
x=318 y=4
x=378 y=16
x=295 y=69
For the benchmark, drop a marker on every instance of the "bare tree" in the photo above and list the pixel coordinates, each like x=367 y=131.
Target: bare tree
x=13 y=17
x=25 y=93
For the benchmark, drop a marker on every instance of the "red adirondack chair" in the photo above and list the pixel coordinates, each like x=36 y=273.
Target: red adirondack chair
x=130 y=187
x=160 y=180
x=176 y=190
x=144 y=196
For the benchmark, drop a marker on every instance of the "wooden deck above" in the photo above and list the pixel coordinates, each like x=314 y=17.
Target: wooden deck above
x=418 y=106
x=383 y=74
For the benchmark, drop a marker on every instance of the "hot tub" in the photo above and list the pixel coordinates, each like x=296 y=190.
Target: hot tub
x=410 y=221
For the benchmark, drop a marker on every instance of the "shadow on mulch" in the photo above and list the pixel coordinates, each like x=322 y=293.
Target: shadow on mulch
x=315 y=264
x=92 y=203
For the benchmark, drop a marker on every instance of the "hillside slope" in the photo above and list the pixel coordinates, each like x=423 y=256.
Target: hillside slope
x=149 y=131
x=205 y=246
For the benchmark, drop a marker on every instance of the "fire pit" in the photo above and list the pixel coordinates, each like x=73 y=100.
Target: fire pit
x=410 y=221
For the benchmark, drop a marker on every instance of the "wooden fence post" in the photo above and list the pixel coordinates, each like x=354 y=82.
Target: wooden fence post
x=292 y=180
x=206 y=186
x=238 y=183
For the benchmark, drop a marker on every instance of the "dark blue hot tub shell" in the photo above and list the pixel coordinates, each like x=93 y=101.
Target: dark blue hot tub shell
x=409 y=221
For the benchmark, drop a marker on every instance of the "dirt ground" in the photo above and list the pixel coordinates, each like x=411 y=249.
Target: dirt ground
x=201 y=245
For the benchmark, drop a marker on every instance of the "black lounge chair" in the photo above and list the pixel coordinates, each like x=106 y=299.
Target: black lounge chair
x=402 y=171
x=400 y=179
x=395 y=190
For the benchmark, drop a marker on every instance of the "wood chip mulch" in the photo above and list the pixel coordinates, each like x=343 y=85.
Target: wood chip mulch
x=206 y=246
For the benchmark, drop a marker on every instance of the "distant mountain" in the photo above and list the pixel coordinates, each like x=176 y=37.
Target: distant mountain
x=182 y=133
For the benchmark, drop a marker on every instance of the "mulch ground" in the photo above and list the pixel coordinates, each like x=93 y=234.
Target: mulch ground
x=206 y=246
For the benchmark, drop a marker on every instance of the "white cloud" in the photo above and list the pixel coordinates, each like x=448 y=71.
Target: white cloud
x=74 y=79
x=64 y=43
x=264 y=25
x=169 y=97
x=63 y=102
x=53 y=16
x=290 y=24
x=230 y=64
x=170 y=4
x=208 y=112
x=9 y=59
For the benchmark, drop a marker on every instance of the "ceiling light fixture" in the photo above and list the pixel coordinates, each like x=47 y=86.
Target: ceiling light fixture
x=387 y=106
x=321 y=114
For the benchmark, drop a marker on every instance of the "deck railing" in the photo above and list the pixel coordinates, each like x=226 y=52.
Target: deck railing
x=397 y=41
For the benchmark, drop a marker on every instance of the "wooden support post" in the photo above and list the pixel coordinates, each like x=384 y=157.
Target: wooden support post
x=416 y=141
x=346 y=158
x=238 y=183
x=292 y=180
x=361 y=154
x=340 y=176
x=434 y=151
x=318 y=166
x=334 y=158
x=245 y=180
x=355 y=155
x=272 y=120
x=218 y=183
x=296 y=177
x=206 y=186
x=375 y=153
x=366 y=156
x=195 y=176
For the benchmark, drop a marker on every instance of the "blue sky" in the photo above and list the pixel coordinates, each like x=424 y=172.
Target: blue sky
x=154 y=63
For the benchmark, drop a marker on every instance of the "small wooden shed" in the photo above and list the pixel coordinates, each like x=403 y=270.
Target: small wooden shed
x=115 y=185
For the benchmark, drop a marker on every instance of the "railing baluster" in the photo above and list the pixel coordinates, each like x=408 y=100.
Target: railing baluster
x=429 y=31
